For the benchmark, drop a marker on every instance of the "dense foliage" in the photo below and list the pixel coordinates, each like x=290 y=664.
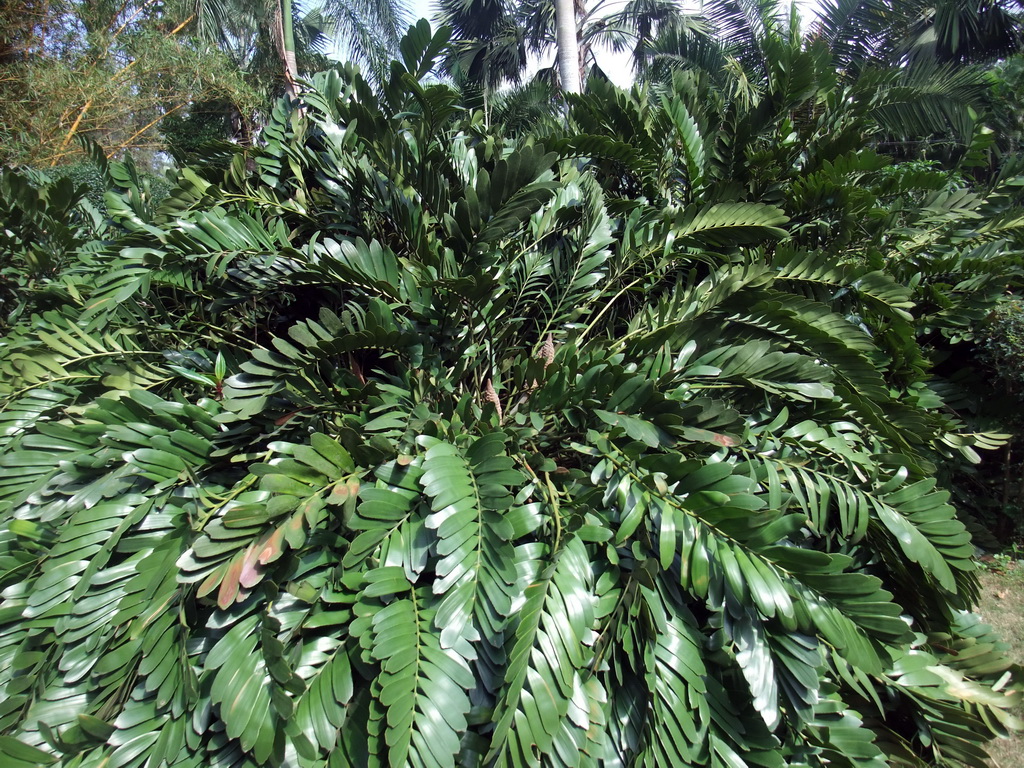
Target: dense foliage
x=399 y=442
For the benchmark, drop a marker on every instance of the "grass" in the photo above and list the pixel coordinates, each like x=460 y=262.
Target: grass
x=1002 y=606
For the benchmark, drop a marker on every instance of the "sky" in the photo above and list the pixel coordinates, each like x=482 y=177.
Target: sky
x=421 y=9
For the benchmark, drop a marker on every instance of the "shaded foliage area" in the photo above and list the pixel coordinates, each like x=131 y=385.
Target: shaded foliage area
x=397 y=441
x=993 y=491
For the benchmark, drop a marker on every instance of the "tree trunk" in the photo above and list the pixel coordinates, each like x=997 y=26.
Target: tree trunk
x=285 y=37
x=580 y=9
x=568 y=46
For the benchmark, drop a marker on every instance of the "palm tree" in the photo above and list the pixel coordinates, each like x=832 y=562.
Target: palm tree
x=492 y=38
x=368 y=30
x=567 y=43
x=256 y=33
x=949 y=31
x=283 y=33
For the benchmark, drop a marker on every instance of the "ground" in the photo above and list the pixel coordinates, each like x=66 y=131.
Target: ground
x=1002 y=606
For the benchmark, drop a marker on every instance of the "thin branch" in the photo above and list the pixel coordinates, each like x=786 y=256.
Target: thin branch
x=131 y=18
x=143 y=130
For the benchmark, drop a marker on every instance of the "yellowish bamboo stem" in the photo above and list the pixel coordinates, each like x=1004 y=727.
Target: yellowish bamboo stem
x=74 y=127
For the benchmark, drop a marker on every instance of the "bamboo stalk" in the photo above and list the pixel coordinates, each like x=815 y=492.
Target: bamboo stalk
x=181 y=26
x=74 y=127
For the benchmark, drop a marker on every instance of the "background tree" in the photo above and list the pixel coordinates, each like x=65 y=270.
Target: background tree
x=114 y=71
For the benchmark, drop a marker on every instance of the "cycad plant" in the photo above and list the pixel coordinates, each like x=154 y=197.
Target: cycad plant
x=395 y=442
